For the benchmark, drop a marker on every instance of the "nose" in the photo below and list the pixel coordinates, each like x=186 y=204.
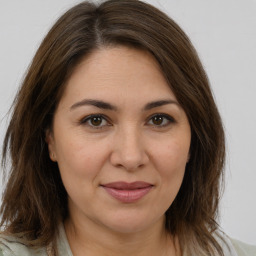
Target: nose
x=128 y=150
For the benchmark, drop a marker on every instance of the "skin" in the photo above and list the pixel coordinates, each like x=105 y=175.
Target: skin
x=127 y=144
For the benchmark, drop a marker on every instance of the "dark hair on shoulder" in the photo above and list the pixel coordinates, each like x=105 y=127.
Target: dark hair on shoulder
x=35 y=200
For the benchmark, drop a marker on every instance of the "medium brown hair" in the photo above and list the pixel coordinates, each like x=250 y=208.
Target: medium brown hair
x=35 y=200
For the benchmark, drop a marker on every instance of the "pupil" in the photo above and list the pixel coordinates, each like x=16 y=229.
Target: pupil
x=158 y=120
x=96 y=121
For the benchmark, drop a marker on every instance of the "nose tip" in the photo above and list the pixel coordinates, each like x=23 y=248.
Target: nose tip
x=129 y=152
x=129 y=164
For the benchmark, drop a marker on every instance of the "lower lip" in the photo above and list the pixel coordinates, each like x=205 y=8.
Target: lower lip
x=128 y=196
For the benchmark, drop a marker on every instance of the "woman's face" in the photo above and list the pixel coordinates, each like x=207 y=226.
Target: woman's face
x=121 y=141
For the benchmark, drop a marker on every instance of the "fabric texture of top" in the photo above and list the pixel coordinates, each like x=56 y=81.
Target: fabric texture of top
x=9 y=246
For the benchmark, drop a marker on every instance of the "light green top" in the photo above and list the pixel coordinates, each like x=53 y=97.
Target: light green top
x=9 y=246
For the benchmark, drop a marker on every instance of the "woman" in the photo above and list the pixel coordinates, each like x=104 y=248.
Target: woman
x=116 y=143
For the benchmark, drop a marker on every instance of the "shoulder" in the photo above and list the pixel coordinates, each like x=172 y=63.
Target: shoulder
x=243 y=249
x=11 y=246
x=233 y=247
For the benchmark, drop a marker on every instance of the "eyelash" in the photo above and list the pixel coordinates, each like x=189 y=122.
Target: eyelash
x=166 y=118
x=88 y=119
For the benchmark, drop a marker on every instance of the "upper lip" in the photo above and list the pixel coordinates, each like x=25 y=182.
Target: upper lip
x=122 y=185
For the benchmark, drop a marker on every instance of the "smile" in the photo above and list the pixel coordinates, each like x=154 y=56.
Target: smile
x=127 y=192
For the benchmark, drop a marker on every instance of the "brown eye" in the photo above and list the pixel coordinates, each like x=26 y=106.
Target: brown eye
x=161 y=120
x=96 y=121
x=157 y=120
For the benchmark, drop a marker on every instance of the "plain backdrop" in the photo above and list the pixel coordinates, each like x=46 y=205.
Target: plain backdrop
x=223 y=32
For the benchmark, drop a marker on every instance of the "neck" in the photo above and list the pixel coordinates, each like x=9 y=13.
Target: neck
x=92 y=239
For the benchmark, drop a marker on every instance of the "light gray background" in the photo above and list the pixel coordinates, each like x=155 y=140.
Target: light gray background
x=224 y=33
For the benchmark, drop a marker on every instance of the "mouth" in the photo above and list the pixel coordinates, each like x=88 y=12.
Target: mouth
x=127 y=192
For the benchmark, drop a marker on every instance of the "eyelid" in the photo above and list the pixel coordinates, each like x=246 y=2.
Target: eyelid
x=84 y=121
x=168 y=117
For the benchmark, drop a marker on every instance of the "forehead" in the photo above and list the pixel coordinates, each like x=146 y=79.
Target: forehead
x=118 y=73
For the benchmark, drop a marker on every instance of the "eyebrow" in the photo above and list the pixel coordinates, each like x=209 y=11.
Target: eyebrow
x=97 y=103
x=159 y=103
x=104 y=105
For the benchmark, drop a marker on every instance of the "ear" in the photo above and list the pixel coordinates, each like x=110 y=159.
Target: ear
x=51 y=144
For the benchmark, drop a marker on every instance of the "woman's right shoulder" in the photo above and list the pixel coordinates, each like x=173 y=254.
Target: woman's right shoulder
x=11 y=246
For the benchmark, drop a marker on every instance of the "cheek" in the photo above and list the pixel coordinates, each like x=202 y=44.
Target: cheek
x=79 y=159
x=172 y=155
x=170 y=160
x=80 y=164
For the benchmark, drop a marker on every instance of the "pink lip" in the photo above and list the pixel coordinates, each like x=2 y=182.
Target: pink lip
x=127 y=192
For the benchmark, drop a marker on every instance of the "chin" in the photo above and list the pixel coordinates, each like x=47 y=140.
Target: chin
x=127 y=228
x=130 y=224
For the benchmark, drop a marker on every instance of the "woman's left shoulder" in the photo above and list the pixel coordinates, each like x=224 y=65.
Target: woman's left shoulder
x=233 y=247
x=243 y=249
